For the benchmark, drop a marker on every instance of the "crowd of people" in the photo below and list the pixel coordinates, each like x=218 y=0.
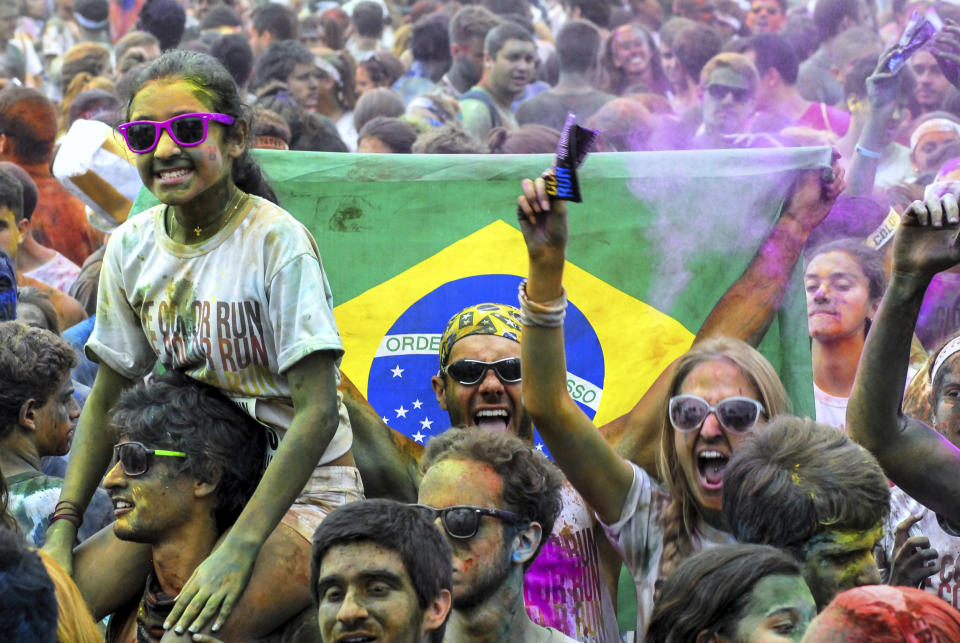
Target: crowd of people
x=156 y=489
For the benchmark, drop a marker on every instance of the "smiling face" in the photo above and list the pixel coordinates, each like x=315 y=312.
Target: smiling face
x=490 y=404
x=926 y=156
x=150 y=507
x=56 y=420
x=365 y=594
x=513 y=68
x=177 y=175
x=728 y=113
x=779 y=610
x=703 y=453
x=840 y=559
x=631 y=52
x=481 y=564
x=838 y=297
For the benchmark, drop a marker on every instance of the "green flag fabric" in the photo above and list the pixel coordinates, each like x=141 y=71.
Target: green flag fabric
x=408 y=240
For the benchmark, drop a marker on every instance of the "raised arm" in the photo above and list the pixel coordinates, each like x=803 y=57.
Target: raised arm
x=577 y=446
x=917 y=458
x=388 y=461
x=744 y=312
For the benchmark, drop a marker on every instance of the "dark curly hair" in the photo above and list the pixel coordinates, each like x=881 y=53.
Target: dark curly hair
x=174 y=411
x=531 y=483
x=215 y=86
x=33 y=364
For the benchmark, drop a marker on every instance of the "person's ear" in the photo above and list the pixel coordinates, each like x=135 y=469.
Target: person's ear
x=237 y=142
x=5 y=145
x=439 y=384
x=437 y=611
x=22 y=226
x=487 y=60
x=708 y=637
x=202 y=489
x=27 y=418
x=771 y=78
x=525 y=543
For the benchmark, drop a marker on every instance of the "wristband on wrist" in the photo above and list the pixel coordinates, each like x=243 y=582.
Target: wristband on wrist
x=547 y=314
x=870 y=154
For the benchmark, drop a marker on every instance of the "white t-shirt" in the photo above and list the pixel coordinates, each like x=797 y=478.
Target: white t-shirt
x=945 y=583
x=638 y=537
x=235 y=312
x=564 y=587
x=59 y=272
x=831 y=410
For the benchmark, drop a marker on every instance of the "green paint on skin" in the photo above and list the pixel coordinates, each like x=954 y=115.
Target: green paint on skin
x=780 y=609
x=840 y=559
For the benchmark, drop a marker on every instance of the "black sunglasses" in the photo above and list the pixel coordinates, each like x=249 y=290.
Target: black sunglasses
x=719 y=92
x=471 y=371
x=463 y=521
x=135 y=458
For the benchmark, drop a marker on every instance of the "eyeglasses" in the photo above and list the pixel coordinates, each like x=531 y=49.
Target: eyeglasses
x=736 y=414
x=135 y=458
x=463 y=521
x=471 y=371
x=719 y=92
x=186 y=130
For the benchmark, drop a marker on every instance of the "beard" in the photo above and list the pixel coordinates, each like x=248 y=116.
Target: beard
x=468 y=70
x=488 y=581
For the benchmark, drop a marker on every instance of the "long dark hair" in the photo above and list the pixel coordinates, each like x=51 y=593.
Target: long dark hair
x=217 y=87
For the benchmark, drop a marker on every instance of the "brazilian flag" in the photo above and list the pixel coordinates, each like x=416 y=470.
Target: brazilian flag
x=409 y=240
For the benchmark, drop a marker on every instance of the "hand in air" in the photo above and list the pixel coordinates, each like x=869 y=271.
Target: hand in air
x=945 y=48
x=544 y=223
x=883 y=85
x=926 y=241
x=913 y=557
x=814 y=194
x=212 y=590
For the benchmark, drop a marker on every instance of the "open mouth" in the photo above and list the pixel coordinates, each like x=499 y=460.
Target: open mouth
x=121 y=506
x=711 y=465
x=494 y=419
x=356 y=638
x=177 y=175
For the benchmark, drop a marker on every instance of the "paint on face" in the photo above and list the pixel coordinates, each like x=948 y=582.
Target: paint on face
x=303 y=85
x=840 y=559
x=932 y=85
x=926 y=155
x=365 y=591
x=631 y=53
x=468 y=60
x=151 y=506
x=514 y=67
x=703 y=453
x=765 y=16
x=489 y=404
x=727 y=115
x=481 y=564
x=56 y=420
x=10 y=236
x=838 y=297
x=177 y=175
x=947 y=410
x=780 y=609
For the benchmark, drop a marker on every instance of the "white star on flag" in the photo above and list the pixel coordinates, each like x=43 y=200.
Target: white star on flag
x=417 y=404
x=540 y=447
x=401 y=412
x=418 y=437
x=385 y=419
x=426 y=423
x=397 y=371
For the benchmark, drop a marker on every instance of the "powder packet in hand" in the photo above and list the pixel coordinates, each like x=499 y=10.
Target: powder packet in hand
x=575 y=143
x=917 y=33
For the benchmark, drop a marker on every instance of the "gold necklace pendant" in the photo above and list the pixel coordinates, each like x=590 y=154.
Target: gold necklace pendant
x=198 y=230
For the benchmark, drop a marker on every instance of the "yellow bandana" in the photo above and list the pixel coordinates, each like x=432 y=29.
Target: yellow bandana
x=482 y=319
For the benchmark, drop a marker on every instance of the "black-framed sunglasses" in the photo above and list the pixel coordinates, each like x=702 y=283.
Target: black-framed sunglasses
x=472 y=371
x=719 y=92
x=735 y=414
x=463 y=521
x=136 y=458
